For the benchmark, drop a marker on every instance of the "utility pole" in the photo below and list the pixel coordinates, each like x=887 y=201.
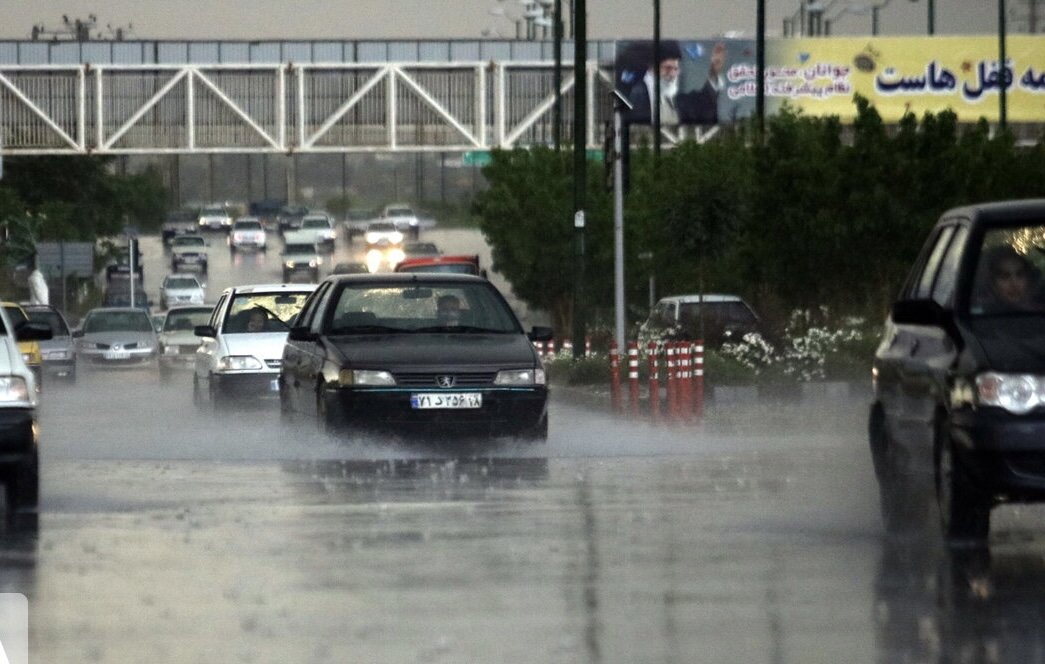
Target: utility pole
x=656 y=81
x=760 y=67
x=580 y=170
x=1003 y=75
x=557 y=113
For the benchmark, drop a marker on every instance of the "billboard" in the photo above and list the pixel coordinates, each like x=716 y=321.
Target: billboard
x=821 y=75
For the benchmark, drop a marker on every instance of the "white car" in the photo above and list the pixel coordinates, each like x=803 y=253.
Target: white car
x=19 y=433
x=383 y=234
x=241 y=347
x=300 y=255
x=181 y=289
x=320 y=228
x=189 y=251
x=248 y=233
x=404 y=218
x=215 y=218
x=177 y=337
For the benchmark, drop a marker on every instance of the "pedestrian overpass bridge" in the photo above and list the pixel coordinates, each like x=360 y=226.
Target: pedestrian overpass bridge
x=286 y=108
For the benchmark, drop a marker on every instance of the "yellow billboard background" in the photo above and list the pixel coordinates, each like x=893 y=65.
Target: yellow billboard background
x=909 y=74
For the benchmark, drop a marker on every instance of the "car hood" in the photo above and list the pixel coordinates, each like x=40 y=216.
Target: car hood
x=434 y=351
x=57 y=343
x=1012 y=343
x=189 y=250
x=122 y=338
x=183 y=291
x=263 y=345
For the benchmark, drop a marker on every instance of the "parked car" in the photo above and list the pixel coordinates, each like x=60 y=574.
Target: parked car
x=19 y=433
x=433 y=354
x=959 y=377
x=241 y=346
x=181 y=288
x=248 y=233
x=214 y=218
x=58 y=352
x=713 y=317
x=178 y=222
x=404 y=218
x=30 y=348
x=458 y=264
x=177 y=337
x=320 y=227
x=300 y=255
x=116 y=337
x=189 y=251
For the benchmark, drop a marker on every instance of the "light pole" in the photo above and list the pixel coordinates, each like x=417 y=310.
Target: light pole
x=1003 y=73
x=557 y=112
x=580 y=171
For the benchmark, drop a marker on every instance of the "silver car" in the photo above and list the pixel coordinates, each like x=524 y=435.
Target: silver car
x=241 y=347
x=178 y=340
x=181 y=289
x=58 y=352
x=116 y=337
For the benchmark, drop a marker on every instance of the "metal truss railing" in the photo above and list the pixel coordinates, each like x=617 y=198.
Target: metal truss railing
x=312 y=108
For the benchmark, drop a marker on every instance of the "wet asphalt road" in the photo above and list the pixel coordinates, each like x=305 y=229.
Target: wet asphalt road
x=165 y=535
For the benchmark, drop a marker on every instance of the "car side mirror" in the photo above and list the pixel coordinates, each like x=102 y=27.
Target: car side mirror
x=204 y=331
x=301 y=333
x=34 y=332
x=920 y=312
x=541 y=333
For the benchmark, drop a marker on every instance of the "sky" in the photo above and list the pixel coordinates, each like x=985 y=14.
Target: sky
x=469 y=19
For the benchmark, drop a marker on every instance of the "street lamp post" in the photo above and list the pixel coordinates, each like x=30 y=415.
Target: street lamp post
x=557 y=112
x=1002 y=71
x=580 y=171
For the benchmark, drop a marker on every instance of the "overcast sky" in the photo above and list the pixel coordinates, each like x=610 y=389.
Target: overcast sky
x=378 y=19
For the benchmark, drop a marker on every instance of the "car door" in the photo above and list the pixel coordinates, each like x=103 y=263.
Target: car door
x=207 y=353
x=298 y=367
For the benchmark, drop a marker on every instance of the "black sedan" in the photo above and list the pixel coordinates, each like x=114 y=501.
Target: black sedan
x=432 y=354
x=959 y=406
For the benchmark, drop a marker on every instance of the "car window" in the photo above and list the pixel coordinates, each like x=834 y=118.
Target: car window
x=58 y=326
x=1009 y=272
x=309 y=309
x=282 y=309
x=923 y=287
x=947 y=277
x=185 y=320
x=315 y=223
x=188 y=241
x=306 y=248
x=219 y=310
x=247 y=226
x=16 y=315
x=410 y=308
x=117 y=321
x=181 y=282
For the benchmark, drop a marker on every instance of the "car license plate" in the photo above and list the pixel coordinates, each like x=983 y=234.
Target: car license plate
x=430 y=400
x=117 y=355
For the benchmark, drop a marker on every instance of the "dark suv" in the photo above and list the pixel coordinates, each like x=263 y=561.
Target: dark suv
x=712 y=317
x=959 y=376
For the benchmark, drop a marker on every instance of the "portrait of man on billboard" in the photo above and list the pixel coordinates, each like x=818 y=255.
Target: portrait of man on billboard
x=689 y=88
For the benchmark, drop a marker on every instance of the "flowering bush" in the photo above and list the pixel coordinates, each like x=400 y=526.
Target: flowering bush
x=808 y=351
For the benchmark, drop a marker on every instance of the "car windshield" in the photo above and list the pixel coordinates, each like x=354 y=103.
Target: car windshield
x=1008 y=277
x=189 y=241
x=382 y=227
x=247 y=226
x=117 y=321
x=213 y=212
x=315 y=222
x=414 y=308
x=400 y=212
x=16 y=315
x=299 y=248
x=181 y=283
x=718 y=312
x=278 y=309
x=58 y=327
x=181 y=320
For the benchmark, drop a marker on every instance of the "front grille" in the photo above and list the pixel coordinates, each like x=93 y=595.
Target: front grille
x=429 y=379
x=274 y=364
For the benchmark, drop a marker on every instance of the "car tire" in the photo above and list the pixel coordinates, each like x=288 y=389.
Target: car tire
x=199 y=399
x=286 y=413
x=538 y=434
x=964 y=513
x=23 y=484
x=329 y=416
x=904 y=505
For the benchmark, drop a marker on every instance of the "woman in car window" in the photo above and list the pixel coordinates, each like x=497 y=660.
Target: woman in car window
x=1013 y=283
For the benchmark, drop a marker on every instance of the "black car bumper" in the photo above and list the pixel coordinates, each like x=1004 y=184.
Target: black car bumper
x=504 y=412
x=1003 y=454
x=245 y=387
x=17 y=433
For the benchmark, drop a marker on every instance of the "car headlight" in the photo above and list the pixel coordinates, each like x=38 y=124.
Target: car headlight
x=289 y=264
x=239 y=363
x=396 y=256
x=396 y=237
x=365 y=377
x=27 y=358
x=1016 y=393
x=169 y=350
x=520 y=377
x=329 y=235
x=13 y=389
x=372 y=238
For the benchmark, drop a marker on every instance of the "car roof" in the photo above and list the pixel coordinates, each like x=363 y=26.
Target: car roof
x=106 y=310
x=1001 y=212
x=696 y=299
x=190 y=307
x=181 y=275
x=407 y=278
x=271 y=288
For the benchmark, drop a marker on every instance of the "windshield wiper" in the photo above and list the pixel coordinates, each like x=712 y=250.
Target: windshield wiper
x=472 y=329
x=364 y=329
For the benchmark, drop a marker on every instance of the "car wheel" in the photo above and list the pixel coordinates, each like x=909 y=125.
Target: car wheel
x=286 y=411
x=904 y=505
x=538 y=434
x=199 y=399
x=329 y=415
x=23 y=484
x=964 y=514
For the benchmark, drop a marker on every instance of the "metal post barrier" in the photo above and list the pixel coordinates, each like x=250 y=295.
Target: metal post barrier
x=587 y=346
x=686 y=383
x=673 y=399
x=615 y=377
x=654 y=382
x=539 y=345
x=698 y=380
x=567 y=348
x=551 y=348
x=633 y=377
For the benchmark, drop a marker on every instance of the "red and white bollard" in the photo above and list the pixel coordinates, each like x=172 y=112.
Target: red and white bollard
x=539 y=345
x=615 y=377
x=686 y=383
x=698 y=380
x=551 y=348
x=587 y=346
x=654 y=382
x=633 y=377
x=567 y=348
x=673 y=386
